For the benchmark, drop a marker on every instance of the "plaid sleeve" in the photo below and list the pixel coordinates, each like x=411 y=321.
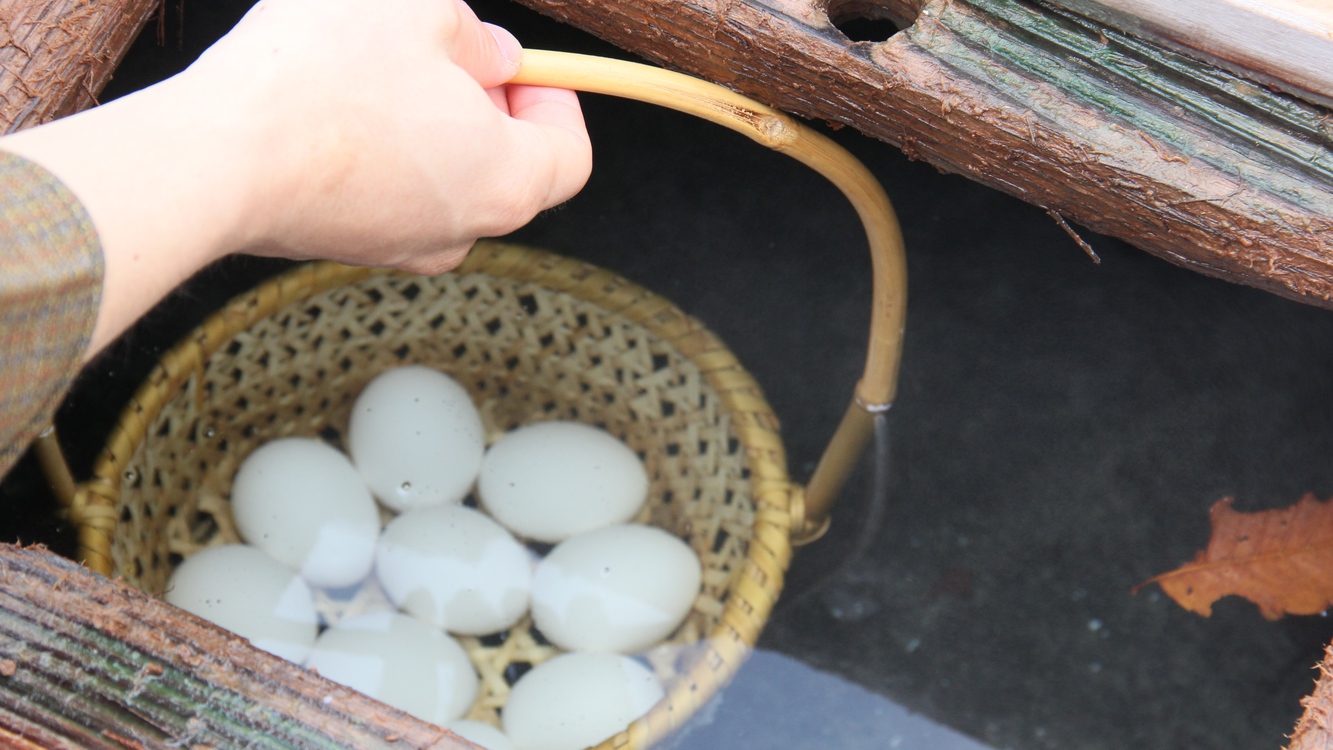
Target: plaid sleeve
x=50 y=287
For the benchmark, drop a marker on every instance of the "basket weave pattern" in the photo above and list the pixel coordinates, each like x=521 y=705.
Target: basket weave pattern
x=533 y=337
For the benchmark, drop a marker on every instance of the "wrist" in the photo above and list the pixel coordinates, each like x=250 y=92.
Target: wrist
x=166 y=182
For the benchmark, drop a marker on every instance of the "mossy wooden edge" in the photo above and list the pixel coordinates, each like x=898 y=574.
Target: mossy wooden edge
x=1185 y=160
x=87 y=662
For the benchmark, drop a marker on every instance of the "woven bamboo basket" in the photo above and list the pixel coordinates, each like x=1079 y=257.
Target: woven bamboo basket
x=533 y=337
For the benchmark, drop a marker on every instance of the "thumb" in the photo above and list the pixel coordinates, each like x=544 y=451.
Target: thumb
x=486 y=52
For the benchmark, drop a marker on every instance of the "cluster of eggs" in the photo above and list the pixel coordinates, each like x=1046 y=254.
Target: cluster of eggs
x=607 y=589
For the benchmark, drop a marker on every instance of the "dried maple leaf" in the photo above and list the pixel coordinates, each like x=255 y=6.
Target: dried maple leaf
x=1282 y=560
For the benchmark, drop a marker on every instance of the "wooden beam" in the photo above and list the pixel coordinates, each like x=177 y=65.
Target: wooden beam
x=87 y=662
x=56 y=56
x=1185 y=160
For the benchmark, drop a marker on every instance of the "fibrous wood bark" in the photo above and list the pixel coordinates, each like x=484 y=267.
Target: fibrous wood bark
x=56 y=56
x=1187 y=161
x=1314 y=731
x=86 y=662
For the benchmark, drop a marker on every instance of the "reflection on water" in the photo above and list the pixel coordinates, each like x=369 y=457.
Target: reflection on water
x=779 y=702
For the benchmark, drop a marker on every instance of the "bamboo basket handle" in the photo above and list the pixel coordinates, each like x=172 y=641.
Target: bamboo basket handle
x=879 y=381
x=55 y=466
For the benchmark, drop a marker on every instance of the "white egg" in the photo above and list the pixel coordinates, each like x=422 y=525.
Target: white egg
x=304 y=503
x=552 y=480
x=243 y=590
x=401 y=661
x=455 y=568
x=416 y=438
x=575 y=701
x=621 y=588
x=482 y=735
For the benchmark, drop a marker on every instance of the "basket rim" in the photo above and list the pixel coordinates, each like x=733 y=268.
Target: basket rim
x=757 y=582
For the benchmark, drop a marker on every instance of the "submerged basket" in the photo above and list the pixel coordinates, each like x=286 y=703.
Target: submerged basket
x=533 y=337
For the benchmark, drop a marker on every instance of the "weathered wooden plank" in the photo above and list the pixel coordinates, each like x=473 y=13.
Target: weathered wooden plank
x=1285 y=43
x=55 y=56
x=86 y=662
x=1185 y=160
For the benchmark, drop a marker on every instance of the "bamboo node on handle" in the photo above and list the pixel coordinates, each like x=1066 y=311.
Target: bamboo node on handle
x=776 y=131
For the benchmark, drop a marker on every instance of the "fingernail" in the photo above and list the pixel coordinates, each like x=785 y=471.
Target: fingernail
x=508 y=44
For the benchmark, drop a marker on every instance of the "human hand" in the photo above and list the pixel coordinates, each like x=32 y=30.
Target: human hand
x=386 y=133
x=367 y=132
